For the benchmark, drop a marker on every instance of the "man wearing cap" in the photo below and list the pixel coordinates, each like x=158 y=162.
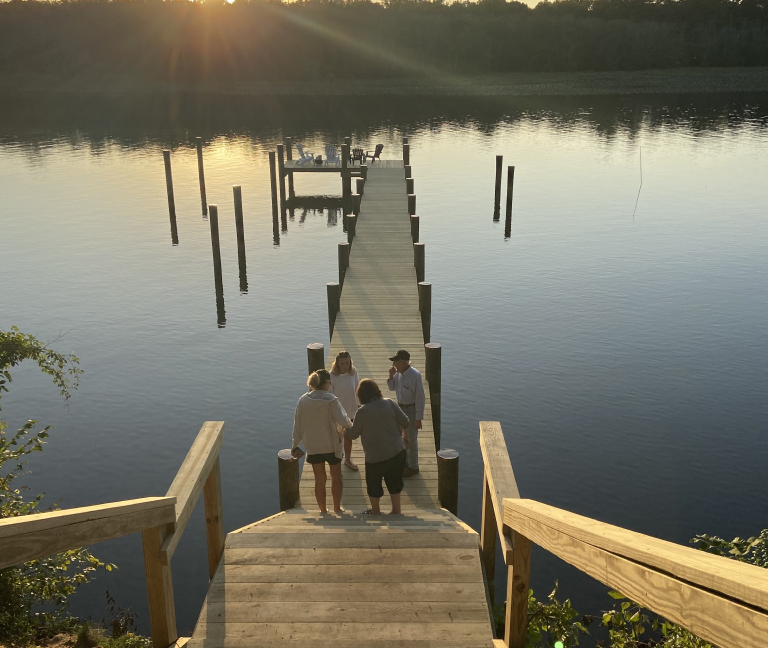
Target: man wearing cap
x=405 y=381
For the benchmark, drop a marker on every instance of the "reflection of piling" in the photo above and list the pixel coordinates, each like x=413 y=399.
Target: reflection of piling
x=288 y=479
x=411 y=204
x=201 y=174
x=425 y=307
x=289 y=157
x=315 y=357
x=409 y=185
x=213 y=217
x=510 y=187
x=171 y=201
x=273 y=184
x=334 y=302
x=281 y=183
x=351 y=227
x=433 y=374
x=415 y=228
x=343 y=261
x=406 y=154
x=408 y=170
x=497 y=191
x=418 y=260
x=240 y=238
x=448 y=479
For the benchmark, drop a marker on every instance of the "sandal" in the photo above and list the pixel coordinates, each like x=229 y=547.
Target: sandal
x=351 y=465
x=368 y=511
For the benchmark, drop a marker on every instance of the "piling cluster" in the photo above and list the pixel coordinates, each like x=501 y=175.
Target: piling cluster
x=497 y=195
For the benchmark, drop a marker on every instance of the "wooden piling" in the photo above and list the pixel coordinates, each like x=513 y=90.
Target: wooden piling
x=433 y=374
x=315 y=357
x=364 y=171
x=346 y=179
x=348 y=142
x=351 y=227
x=334 y=302
x=289 y=156
x=448 y=479
x=360 y=185
x=425 y=307
x=343 y=261
x=171 y=201
x=214 y=221
x=497 y=189
x=356 y=201
x=409 y=185
x=407 y=171
x=273 y=185
x=214 y=518
x=281 y=179
x=510 y=187
x=405 y=140
x=406 y=154
x=241 y=263
x=418 y=260
x=411 y=204
x=288 y=479
x=201 y=174
x=488 y=532
x=162 y=611
x=415 y=228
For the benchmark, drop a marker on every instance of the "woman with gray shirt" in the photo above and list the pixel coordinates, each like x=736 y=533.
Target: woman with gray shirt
x=383 y=428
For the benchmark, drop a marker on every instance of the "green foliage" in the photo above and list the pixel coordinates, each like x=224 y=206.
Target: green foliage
x=554 y=621
x=753 y=550
x=50 y=581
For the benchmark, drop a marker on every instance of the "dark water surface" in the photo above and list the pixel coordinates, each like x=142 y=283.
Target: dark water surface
x=621 y=345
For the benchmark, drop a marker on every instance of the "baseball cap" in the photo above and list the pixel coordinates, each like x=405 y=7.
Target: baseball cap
x=402 y=354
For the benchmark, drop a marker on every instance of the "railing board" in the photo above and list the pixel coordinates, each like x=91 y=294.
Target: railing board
x=724 y=622
x=41 y=535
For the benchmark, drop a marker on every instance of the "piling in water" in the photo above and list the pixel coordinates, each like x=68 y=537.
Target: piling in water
x=425 y=307
x=497 y=188
x=288 y=479
x=171 y=201
x=510 y=188
x=213 y=218
x=273 y=184
x=334 y=303
x=406 y=154
x=241 y=264
x=448 y=479
x=418 y=260
x=415 y=228
x=351 y=226
x=433 y=374
x=343 y=261
x=409 y=185
x=356 y=202
x=201 y=174
x=281 y=181
x=360 y=186
x=315 y=356
x=411 y=204
x=289 y=156
x=407 y=171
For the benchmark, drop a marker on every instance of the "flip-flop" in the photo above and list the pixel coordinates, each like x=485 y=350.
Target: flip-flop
x=368 y=512
x=352 y=467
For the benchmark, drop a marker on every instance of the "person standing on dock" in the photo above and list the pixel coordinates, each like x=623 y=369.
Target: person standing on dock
x=344 y=382
x=319 y=415
x=406 y=382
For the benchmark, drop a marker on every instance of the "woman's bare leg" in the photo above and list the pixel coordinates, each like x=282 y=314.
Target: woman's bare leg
x=320 y=480
x=375 y=505
x=395 y=503
x=348 y=453
x=337 y=486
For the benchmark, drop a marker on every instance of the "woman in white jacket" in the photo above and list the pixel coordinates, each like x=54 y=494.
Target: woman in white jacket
x=319 y=415
x=344 y=382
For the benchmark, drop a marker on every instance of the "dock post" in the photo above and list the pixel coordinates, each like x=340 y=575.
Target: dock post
x=240 y=238
x=406 y=154
x=418 y=260
x=351 y=227
x=409 y=185
x=213 y=217
x=405 y=140
x=273 y=184
x=411 y=204
x=346 y=179
x=415 y=228
x=364 y=171
x=171 y=201
x=343 y=261
x=281 y=178
x=360 y=185
x=334 y=303
x=448 y=479
x=348 y=142
x=510 y=187
x=497 y=190
x=289 y=156
x=288 y=479
x=356 y=200
x=201 y=173
x=315 y=357
x=408 y=170
x=162 y=611
x=518 y=582
x=214 y=518
x=425 y=307
x=433 y=374
x=488 y=533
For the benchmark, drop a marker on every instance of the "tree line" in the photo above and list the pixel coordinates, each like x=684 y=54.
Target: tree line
x=247 y=40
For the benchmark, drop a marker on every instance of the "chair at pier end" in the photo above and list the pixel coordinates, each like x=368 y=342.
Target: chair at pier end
x=358 y=155
x=331 y=154
x=306 y=156
x=375 y=155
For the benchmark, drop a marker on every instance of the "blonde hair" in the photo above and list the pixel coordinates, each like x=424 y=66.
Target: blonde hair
x=335 y=367
x=317 y=379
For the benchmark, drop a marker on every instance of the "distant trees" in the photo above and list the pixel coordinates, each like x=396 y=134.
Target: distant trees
x=178 y=40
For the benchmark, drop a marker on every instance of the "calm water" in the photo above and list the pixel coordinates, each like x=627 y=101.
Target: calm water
x=621 y=341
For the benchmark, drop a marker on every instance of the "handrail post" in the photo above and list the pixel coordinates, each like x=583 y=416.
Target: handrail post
x=214 y=518
x=162 y=611
x=518 y=579
x=488 y=533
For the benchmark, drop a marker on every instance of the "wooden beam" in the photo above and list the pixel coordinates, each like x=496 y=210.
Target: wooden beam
x=518 y=578
x=737 y=580
x=214 y=518
x=189 y=481
x=41 y=535
x=708 y=614
x=488 y=532
x=162 y=610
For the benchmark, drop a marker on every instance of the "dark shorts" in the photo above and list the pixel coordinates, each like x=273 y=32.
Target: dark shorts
x=331 y=458
x=390 y=470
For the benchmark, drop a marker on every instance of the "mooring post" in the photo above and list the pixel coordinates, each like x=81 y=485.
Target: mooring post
x=497 y=190
x=348 y=142
x=356 y=200
x=510 y=187
x=405 y=140
x=415 y=228
x=343 y=261
x=425 y=307
x=287 y=479
x=281 y=177
x=360 y=185
x=273 y=184
x=171 y=201
x=411 y=204
x=315 y=357
x=334 y=302
x=406 y=154
x=433 y=374
x=289 y=156
x=346 y=179
x=364 y=171
x=214 y=221
x=448 y=479
x=201 y=174
x=351 y=226
x=409 y=185
x=240 y=238
x=407 y=168
x=418 y=260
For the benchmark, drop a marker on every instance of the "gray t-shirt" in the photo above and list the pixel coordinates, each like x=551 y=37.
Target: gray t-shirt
x=379 y=424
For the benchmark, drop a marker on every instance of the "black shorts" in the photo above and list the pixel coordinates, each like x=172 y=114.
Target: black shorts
x=391 y=470
x=331 y=458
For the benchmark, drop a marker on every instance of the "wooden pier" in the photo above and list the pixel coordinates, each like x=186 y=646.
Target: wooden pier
x=418 y=580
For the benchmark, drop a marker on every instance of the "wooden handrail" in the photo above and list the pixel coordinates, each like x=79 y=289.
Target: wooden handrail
x=40 y=535
x=720 y=600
